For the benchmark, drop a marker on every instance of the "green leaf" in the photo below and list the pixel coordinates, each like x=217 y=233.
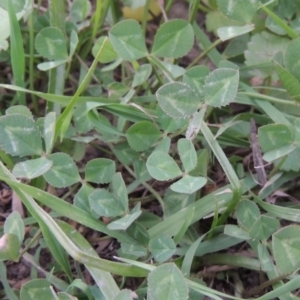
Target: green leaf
x=126 y=295
x=105 y=204
x=119 y=190
x=9 y=247
x=162 y=248
x=127 y=220
x=221 y=87
x=195 y=79
x=49 y=131
x=100 y=170
x=174 y=202
x=63 y=172
x=166 y=282
x=51 y=43
x=108 y=54
x=81 y=198
x=229 y=32
x=236 y=232
x=188 y=184
x=292 y=58
x=286 y=248
x=288 y=80
x=161 y=166
x=187 y=153
x=141 y=75
x=178 y=100
x=139 y=233
x=33 y=168
x=261 y=49
x=142 y=135
x=239 y=10
x=274 y=136
x=133 y=249
x=80 y=9
x=128 y=40
x=263 y=227
x=35 y=288
x=280 y=152
x=15 y=225
x=173 y=39
x=19 y=109
x=19 y=136
x=46 y=66
x=247 y=213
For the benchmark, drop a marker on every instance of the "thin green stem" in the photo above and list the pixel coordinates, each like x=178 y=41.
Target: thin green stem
x=31 y=64
x=268 y=98
x=194 y=4
x=204 y=53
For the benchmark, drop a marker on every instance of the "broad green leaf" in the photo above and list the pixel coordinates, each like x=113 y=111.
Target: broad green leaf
x=108 y=54
x=236 y=46
x=274 y=136
x=237 y=232
x=141 y=75
x=188 y=184
x=292 y=58
x=142 y=135
x=227 y=33
x=19 y=136
x=187 y=153
x=139 y=233
x=128 y=40
x=51 y=43
x=33 y=290
x=166 y=282
x=173 y=39
x=9 y=247
x=178 y=100
x=133 y=249
x=126 y=295
x=162 y=248
x=247 y=213
x=195 y=79
x=105 y=204
x=161 y=166
x=202 y=164
x=127 y=220
x=221 y=87
x=46 y=66
x=216 y=19
x=80 y=9
x=164 y=145
x=63 y=172
x=15 y=225
x=239 y=10
x=81 y=198
x=140 y=169
x=286 y=248
x=261 y=49
x=119 y=190
x=288 y=80
x=292 y=161
x=264 y=227
x=174 y=202
x=100 y=170
x=167 y=123
x=279 y=152
x=33 y=168
x=49 y=131
x=19 y=109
